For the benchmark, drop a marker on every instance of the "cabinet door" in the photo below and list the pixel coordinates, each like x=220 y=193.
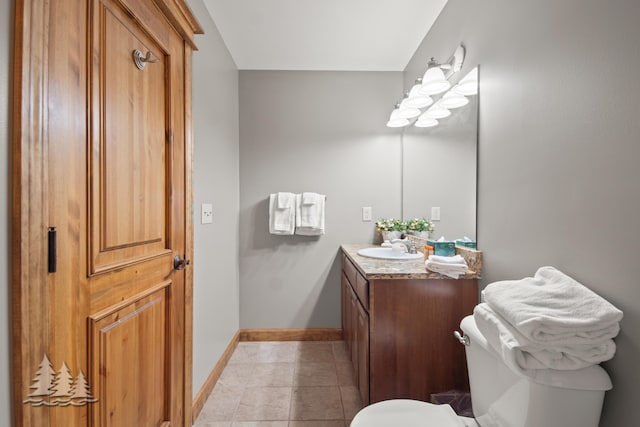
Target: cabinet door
x=346 y=312
x=413 y=354
x=353 y=334
x=363 y=354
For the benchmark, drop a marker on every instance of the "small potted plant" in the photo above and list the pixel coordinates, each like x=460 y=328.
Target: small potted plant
x=391 y=228
x=420 y=227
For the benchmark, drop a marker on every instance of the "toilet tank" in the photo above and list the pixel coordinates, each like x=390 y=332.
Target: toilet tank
x=502 y=397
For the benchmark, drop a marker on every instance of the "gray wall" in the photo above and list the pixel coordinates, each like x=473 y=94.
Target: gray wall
x=311 y=131
x=6 y=37
x=215 y=259
x=559 y=148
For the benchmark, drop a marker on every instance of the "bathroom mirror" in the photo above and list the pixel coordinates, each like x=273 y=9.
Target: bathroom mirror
x=440 y=170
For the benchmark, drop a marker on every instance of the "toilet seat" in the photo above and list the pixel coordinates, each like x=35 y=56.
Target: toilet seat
x=406 y=413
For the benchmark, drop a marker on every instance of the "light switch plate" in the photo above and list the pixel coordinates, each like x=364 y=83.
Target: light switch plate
x=435 y=213
x=207 y=213
x=366 y=213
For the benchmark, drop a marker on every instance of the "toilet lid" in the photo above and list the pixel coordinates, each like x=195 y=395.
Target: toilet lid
x=406 y=413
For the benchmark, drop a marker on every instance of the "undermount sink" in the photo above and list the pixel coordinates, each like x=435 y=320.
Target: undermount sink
x=388 y=253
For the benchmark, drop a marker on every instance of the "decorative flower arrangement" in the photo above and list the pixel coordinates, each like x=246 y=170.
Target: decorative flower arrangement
x=420 y=224
x=391 y=225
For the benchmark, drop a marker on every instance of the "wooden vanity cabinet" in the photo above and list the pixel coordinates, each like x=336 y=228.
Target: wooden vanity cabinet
x=355 y=326
x=399 y=332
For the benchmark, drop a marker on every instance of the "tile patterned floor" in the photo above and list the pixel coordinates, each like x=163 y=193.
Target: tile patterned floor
x=284 y=384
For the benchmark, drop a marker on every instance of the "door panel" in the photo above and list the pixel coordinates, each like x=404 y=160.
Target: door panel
x=132 y=97
x=130 y=190
x=128 y=357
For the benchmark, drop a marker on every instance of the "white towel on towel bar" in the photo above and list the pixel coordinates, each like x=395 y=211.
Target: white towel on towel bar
x=310 y=216
x=285 y=200
x=282 y=221
x=311 y=198
x=554 y=309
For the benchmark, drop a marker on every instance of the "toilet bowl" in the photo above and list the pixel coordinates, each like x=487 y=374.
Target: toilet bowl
x=502 y=397
x=410 y=413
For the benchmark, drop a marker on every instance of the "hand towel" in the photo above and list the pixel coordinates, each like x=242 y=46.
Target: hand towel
x=310 y=198
x=448 y=270
x=522 y=354
x=309 y=218
x=282 y=221
x=285 y=200
x=453 y=266
x=457 y=259
x=552 y=308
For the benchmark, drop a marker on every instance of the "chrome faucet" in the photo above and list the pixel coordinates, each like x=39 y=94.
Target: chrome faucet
x=408 y=243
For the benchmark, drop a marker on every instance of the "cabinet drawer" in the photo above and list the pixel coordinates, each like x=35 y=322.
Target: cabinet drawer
x=358 y=282
x=362 y=289
x=349 y=270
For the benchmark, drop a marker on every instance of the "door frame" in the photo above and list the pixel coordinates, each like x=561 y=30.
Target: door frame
x=30 y=196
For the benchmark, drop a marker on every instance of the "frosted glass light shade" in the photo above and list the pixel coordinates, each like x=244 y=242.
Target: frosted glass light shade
x=453 y=99
x=436 y=111
x=426 y=122
x=416 y=99
x=397 y=122
x=434 y=82
x=469 y=84
x=405 y=113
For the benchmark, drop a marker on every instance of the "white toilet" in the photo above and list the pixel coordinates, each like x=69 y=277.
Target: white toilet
x=501 y=397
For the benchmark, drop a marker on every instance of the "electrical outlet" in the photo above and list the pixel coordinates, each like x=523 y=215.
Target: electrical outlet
x=435 y=213
x=366 y=213
x=207 y=213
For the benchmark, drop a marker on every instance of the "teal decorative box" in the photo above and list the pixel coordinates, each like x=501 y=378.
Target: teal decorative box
x=466 y=244
x=446 y=248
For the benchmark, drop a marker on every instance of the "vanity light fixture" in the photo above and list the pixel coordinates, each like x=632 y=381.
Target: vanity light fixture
x=453 y=99
x=399 y=116
x=469 y=84
x=436 y=111
x=434 y=81
x=397 y=123
x=415 y=98
x=426 y=122
x=404 y=112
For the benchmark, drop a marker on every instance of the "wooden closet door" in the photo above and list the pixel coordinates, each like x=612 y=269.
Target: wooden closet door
x=105 y=339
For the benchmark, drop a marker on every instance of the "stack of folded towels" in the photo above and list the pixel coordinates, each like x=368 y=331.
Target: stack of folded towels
x=450 y=266
x=549 y=321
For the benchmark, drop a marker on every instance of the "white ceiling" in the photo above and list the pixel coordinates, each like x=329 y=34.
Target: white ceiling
x=347 y=35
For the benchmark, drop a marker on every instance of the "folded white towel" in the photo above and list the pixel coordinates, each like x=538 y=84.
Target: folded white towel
x=310 y=217
x=552 y=308
x=457 y=259
x=450 y=266
x=285 y=200
x=450 y=270
x=447 y=266
x=522 y=354
x=310 y=198
x=282 y=221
